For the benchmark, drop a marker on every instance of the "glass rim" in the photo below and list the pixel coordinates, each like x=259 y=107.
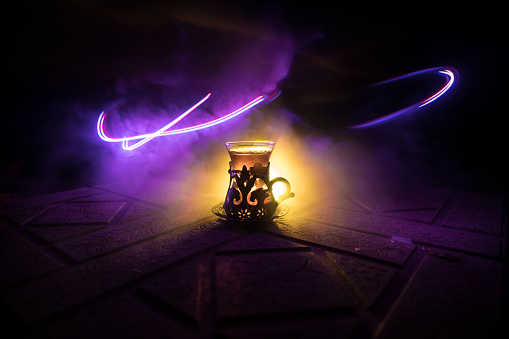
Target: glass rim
x=251 y=143
x=268 y=145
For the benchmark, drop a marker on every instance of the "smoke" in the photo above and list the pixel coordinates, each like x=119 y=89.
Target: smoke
x=155 y=61
x=234 y=61
x=235 y=66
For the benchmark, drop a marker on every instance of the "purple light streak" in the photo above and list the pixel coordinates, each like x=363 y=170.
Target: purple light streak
x=450 y=73
x=165 y=130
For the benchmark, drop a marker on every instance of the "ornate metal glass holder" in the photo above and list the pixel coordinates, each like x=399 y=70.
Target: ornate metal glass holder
x=249 y=195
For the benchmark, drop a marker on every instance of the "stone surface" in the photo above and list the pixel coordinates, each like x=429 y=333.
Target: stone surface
x=20 y=260
x=449 y=298
x=187 y=290
x=397 y=228
x=356 y=243
x=366 y=280
x=385 y=262
x=261 y=284
x=116 y=317
x=53 y=234
x=21 y=217
x=261 y=243
x=79 y=213
x=300 y=328
x=477 y=213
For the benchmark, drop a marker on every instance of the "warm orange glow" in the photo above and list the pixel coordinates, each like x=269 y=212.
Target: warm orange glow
x=312 y=164
x=278 y=188
x=249 y=153
x=312 y=172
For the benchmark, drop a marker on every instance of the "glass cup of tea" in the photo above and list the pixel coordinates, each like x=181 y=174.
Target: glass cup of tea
x=249 y=195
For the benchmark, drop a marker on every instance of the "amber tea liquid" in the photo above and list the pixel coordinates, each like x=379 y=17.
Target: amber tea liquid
x=248 y=153
x=240 y=159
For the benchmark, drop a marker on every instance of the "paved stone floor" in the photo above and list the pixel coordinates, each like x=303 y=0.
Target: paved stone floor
x=397 y=262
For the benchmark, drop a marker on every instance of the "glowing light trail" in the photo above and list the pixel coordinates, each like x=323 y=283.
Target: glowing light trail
x=165 y=130
x=438 y=94
x=125 y=143
x=450 y=74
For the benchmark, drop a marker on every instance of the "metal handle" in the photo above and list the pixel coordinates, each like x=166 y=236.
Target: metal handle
x=285 y=195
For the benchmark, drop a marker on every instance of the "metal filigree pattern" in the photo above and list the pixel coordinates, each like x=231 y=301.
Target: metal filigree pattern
x=249 y=197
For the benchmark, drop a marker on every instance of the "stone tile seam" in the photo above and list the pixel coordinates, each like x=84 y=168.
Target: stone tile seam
x=358 y=203
x=32 y=220
x=386 y=236
x=7 y=210
x=397 y=300
x=458 y=195
x=381 y=213
x=417 y=242
x=169 y=310
x=92 y=229
x=165 y=309
x=127 y=245
x=133 y=282
x=470 y=230
x=496 y=258
x=439 y=219
x=258 y=251
x=133 y=198
x=357 y=294
x=436 y=205
x=381 y=307
x=33 y=240
x=312 y=245
x=115 y=219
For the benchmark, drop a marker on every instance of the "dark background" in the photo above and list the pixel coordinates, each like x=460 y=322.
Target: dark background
x=64 y=54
